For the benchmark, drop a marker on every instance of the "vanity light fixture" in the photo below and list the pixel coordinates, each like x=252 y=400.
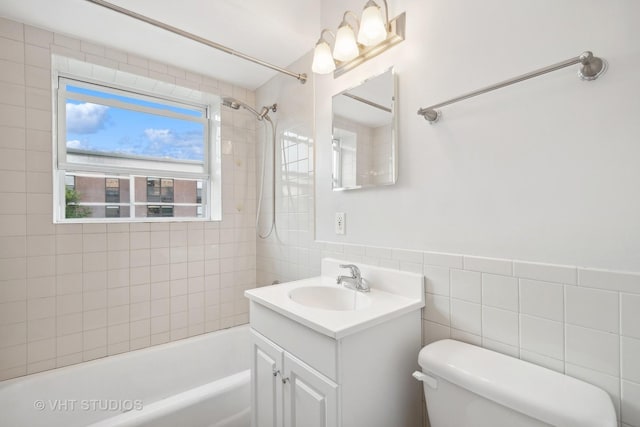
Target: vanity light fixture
x=323 y=62
x=375 y=34
x=346 y=47
x=373 y=29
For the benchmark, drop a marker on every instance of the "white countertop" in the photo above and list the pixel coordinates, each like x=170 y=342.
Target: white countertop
x=336 y=324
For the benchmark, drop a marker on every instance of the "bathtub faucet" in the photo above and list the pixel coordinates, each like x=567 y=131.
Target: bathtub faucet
x=354 y=281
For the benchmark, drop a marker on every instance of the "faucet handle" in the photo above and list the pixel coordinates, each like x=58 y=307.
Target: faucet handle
x=355 y=271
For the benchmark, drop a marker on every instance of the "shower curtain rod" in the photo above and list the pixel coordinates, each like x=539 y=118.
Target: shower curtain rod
x=592 y=67
x=301 y=77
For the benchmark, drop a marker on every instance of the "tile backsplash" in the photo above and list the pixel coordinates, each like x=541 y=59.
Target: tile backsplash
x=578 y=321
x=72 y=292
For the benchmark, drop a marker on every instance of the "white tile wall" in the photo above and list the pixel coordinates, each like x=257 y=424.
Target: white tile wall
x=542 y=336
x=542 y=299
x=630 y=348
x=630 y=315
x=72 y=292
x=466 y=316
x=500 y=325
x=290 y=252
x=500 y=291
x=437 y=280
x=466 y=285
x=587 y=330
x=629 y=406
x=592 y=308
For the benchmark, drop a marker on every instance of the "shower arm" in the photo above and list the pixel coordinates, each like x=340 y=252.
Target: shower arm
x=301 y=77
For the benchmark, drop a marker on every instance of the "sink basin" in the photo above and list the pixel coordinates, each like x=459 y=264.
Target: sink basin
x=330 y=298
x=336 y=311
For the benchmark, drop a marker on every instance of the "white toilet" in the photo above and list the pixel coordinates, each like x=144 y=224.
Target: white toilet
x=469 y=386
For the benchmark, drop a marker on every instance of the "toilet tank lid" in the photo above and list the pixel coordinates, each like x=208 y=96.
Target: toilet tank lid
x=530 y=389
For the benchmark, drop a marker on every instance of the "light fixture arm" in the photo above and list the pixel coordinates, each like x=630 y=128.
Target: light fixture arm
x=386 y=14
x=326 y=30
x=355 y=18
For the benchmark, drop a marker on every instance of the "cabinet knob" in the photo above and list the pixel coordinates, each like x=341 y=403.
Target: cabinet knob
x=275 y=373
x=285 y=380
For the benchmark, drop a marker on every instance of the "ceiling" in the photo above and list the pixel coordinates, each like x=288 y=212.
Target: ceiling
x=275 y=31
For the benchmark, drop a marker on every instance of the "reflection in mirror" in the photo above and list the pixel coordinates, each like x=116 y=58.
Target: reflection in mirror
x=364 y=143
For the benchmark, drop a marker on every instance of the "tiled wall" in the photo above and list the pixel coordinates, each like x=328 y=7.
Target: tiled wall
x=578 y=321
x=290 y=253
x=71 y=293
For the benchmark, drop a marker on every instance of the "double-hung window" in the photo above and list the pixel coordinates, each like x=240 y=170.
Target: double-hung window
x=133 y=154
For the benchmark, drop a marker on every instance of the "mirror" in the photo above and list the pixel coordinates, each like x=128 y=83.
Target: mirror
x=364 y=134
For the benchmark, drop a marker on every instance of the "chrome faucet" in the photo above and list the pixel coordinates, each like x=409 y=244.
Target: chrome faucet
x=354 y=281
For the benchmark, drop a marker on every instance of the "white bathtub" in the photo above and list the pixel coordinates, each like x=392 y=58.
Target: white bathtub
x=199 y=381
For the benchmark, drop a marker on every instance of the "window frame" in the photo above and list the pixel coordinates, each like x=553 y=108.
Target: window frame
x=208 y=103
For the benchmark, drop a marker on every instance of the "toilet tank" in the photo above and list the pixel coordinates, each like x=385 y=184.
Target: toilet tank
x=469 y=386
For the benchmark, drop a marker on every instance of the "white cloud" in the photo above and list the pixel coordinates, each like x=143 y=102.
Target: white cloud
x=160 y=135
x=74 y=143
x=86 y=118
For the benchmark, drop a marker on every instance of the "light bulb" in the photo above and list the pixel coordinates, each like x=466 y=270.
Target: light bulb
x=322 y=59
x=346 y=47
x=373 y=29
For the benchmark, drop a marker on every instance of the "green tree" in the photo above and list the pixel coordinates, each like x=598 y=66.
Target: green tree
x=72 y=208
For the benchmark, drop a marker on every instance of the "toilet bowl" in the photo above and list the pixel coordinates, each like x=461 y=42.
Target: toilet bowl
x=469 y=386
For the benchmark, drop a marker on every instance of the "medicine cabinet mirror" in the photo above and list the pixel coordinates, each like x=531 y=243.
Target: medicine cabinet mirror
x=364 y=143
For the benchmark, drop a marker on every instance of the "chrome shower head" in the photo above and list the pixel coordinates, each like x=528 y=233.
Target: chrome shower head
x=236 y=104
x=231 y=103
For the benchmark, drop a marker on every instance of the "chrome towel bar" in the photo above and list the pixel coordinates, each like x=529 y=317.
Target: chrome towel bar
x=592 y=67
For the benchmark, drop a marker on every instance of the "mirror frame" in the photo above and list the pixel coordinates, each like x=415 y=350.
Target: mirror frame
x=394 y=132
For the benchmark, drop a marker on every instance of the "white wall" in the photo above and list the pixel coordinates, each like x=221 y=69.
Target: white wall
x=542 y=171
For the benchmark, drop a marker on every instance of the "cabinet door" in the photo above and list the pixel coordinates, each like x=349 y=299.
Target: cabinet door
x=310 y=399
x=266 y=382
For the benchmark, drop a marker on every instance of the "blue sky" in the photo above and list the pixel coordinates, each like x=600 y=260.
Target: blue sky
x=109 y=129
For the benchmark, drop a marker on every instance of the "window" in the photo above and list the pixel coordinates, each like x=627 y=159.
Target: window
x=112 y=190
x=160 y=190
x=127 y=154
x=112 y=212
x=160 y=211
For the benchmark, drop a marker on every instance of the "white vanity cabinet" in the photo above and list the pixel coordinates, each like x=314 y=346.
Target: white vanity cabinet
x=287 y=392
x=302 y=378
x=320 y=362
